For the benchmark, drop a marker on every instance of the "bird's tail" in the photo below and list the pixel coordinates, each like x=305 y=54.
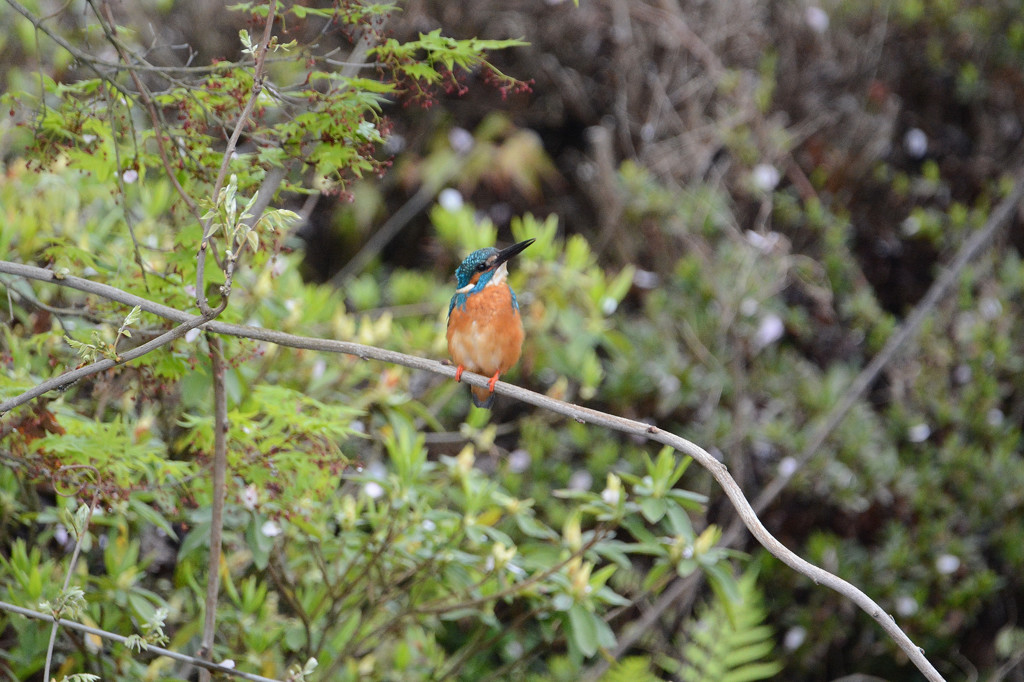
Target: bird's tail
x=481 y=396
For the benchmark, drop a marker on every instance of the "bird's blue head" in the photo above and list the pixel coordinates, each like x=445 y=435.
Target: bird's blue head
x=476 y=272
x=479 y=263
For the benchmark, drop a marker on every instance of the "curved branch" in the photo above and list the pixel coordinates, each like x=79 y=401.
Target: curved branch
x=896 y=344
x=582 y=415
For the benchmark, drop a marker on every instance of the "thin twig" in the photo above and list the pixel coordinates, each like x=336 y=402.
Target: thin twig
x=159 y=651
x=576 y=412
x=80 y=532
x=229 y=152
x=220 y=465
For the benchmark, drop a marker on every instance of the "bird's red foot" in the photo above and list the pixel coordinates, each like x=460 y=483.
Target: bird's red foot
x=494 y=380
x=458 y=373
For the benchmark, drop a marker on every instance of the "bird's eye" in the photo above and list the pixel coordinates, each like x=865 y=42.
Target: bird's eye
x=481 y=267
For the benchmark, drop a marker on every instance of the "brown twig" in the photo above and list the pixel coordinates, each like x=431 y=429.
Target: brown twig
x=220 y=466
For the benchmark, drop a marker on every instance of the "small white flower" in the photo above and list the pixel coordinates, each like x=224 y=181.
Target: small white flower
x=645 y=279
x=915 y=142
x=769 y=331
x=461 y=140
x=250 y=496
x=788 y=466
x=428 y=526
x=947 y=563
x=514 y=649
x=130 y=175
x=765 y=177
x=580 y=480
x=910 y=226
x=192 y=334
x=816 y=18
x=394 y=144
x=450 y=199
x=270 y=529
x=373 y=490
x=519 y=460
x=794 y=637
x=918 y=433
x=277 y=266
x=990 y=308
x=765 y=243
x=906 y=606
x=227 y=663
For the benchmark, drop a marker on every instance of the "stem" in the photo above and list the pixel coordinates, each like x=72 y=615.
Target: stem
x=220 y=427
x=80 y=533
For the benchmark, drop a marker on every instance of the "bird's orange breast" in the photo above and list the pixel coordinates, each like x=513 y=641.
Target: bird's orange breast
x=486 y=336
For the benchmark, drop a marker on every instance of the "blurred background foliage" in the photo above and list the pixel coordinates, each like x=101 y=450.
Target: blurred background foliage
x=735 y=204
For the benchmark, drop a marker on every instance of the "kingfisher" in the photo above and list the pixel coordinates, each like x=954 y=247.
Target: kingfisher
x=485 y=332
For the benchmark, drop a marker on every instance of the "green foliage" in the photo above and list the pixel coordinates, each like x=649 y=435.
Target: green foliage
x=376 y=527
x=348 y=542
x=630 y=669
x=728 y=640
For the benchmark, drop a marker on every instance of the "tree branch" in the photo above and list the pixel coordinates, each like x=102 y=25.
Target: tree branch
x=72 y=625
x=582 y=415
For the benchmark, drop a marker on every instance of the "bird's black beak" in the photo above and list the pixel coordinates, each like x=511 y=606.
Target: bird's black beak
x=515 y=249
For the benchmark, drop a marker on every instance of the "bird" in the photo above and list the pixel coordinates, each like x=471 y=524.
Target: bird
x=485 y=331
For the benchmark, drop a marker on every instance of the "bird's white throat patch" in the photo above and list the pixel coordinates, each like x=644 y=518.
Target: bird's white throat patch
x=500 y=275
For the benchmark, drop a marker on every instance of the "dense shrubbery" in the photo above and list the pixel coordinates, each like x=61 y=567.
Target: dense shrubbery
x=376 y=522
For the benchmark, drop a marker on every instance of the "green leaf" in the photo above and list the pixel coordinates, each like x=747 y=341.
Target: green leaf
x=259 y=543
x=583 y=629
x=653 y=508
